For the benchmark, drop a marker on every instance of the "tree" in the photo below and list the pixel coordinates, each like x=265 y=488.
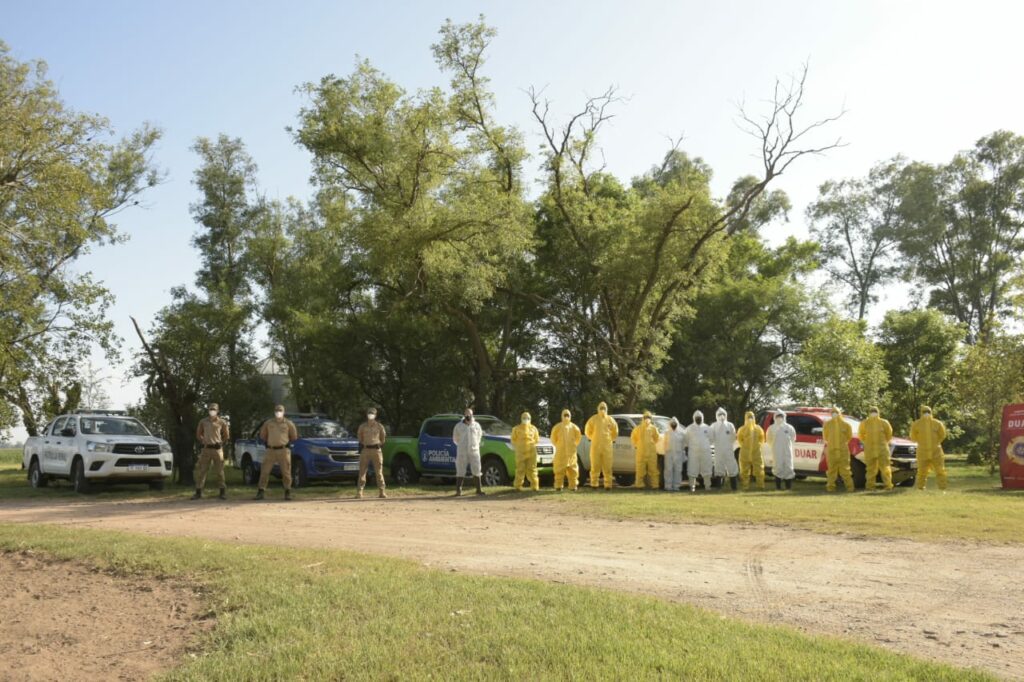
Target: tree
x=855 y=221
x=435 y=184
x=962 y=230
x=840 y=366
x=635 y=257
x=989 y=375
x=738 y=350
x=919 y=352
x=61 y=185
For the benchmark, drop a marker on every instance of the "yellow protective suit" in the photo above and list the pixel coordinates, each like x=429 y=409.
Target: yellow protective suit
x=645 y=445
x=750 y=437
x=566 y=436
x=875 y=433
x=525 y=437
x=928 y=432
x=837 y=434
x=602 y=432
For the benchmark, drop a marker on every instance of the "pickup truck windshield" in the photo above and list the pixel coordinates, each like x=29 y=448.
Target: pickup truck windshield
x=321 y=428
x=494 y=427
x=113 y=426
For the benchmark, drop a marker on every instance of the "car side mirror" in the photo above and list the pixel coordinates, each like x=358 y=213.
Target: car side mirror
x=67 y=433
x=817 y=431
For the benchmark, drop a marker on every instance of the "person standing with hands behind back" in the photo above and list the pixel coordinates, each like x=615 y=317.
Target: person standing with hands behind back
x=211 y=433
x=278 y=433
x=371 y=437
x=467 y=435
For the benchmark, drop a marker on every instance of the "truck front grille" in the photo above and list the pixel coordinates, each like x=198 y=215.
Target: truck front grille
x=133 y=449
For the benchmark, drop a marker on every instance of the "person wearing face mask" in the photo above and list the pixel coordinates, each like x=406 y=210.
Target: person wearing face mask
x=673 y=442
x=212 y=433
x=467 y=435
x=750 y=437
x=837 y=434
x=781 y=438
x=645 y=446
x=278 y=433
x=698 y=442
x=525 y=437
x=875 y=433
x=723 y=437
x=371 y=437
x=566 y=436
x=602 y=431
x=928 y=432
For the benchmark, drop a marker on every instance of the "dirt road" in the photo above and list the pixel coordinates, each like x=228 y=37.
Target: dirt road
x=956 y=602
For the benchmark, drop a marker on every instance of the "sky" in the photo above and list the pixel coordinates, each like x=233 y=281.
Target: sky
x=922 y=79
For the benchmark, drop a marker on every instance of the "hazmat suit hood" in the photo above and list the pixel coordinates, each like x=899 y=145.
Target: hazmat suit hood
x=566 y=415
x=525 y=418
x=647 y=415
x=721 y=414
x=672 y=421
x=602 y=407
x=873 y=409
x=926 y=411
x=836 y=412
x=779 y=413
x=697 y=414
x=749 y=417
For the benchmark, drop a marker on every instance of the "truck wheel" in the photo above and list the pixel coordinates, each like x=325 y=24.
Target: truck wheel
x=860 y=474
x=36 y=478
x=156 y=485
x=493 y=472
x=299 y=477
x=403 y=472
x=250 y=475
x=78 y=480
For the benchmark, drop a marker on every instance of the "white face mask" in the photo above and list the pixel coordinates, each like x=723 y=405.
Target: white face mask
x=279 y=415
x=526 y=420
x=779 y=420
x=721 y=417
x=874 y=414
x=371 y=417
x=213 y=414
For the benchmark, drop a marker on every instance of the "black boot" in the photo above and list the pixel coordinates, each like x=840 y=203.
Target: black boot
x=223 y=494
x=288 y=494
x=778 y=483
x=789 y=484
x=198 y=494
x=480 y=485
x=259 y=494
x=733 y=482
x=458 y=486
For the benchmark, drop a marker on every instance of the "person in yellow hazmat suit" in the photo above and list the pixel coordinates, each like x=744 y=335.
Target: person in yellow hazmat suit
x=525 y=437
x=750 y=437
x=645 y=444
x=928 y=432
x=837 y=434
x=875 y=433
x=602 y=431
x=566 y=436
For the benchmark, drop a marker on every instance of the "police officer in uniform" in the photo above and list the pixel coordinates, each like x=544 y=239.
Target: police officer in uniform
x=212 y=433
x=278 y=433
x=371 y=437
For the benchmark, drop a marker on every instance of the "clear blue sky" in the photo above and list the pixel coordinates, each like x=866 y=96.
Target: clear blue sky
x=924 y=79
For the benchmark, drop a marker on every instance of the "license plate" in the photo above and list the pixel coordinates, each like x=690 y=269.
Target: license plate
x=137 y=467
x=913 y=465
x=350 y=467
x=544 y=460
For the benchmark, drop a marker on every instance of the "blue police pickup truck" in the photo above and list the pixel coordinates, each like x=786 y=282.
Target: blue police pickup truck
x=324 y=452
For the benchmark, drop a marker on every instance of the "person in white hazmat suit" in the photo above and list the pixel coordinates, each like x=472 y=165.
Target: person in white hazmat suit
x=723 y=437
x=698 y=445
x=467 y=435
x=781 y=437
x=673 y=444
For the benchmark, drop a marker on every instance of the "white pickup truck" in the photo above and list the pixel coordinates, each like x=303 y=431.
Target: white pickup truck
x=92 y=446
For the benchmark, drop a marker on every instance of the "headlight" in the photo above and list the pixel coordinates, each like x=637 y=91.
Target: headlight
x=319 y=450
x=165 y=447
x=96 y=446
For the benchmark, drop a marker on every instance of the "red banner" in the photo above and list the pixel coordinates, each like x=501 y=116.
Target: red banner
x=1011 y=450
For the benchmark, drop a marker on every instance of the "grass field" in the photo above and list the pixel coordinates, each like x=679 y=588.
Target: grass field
x=296 y=614
x=974 y=508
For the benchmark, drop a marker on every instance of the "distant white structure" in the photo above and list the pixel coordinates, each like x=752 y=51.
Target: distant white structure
x=280 y=385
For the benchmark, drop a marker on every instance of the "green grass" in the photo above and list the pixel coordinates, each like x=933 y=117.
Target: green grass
x=302 y=614
x=974 y=508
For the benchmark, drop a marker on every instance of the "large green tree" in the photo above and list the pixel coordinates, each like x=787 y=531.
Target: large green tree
x=962 y=230
x=738 y=350
x=631 y=258
x=919 y=352
x=839 y=365
x=855 y=223
x=61 y=184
